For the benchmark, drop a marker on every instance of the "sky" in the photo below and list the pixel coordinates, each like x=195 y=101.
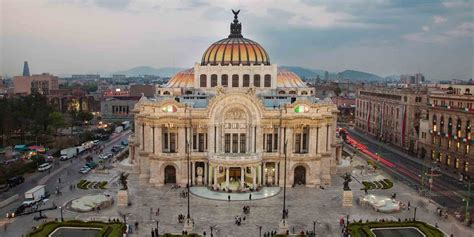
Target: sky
x=385 y=37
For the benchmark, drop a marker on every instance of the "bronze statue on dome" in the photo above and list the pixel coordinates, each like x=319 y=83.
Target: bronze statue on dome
x=235 y=13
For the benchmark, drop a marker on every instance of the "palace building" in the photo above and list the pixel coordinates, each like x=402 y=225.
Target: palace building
x=230 y=122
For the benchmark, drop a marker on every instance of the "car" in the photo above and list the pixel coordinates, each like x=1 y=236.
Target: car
x=84 y=170
x=14 y=181
x=96 y=142
x=44 y=167
x=16 y=211
x=124 y=143
x=64 y=157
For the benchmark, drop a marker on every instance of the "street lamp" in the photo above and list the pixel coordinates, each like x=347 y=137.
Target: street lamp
x=467 y=200
x=414 y=214
x=259 y=230
x=61 y=210
x=284 y=182
x=314 y=227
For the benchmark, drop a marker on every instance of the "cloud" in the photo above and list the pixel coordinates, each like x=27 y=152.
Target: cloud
x=458 y=4
x=113 y=4
x=439 y=19
x=464 y=30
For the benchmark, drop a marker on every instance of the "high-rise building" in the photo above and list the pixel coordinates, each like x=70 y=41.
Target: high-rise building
x=26 y=69
x=326 y=75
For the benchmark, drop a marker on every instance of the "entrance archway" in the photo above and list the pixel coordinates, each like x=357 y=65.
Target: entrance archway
x=300 y=175
x=170 y=175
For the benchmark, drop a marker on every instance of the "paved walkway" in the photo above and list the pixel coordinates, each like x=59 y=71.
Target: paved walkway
x=208 y=194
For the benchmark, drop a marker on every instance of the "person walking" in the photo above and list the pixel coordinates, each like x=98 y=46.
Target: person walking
x=250 y=196
x=228 y=198
x=408 y=205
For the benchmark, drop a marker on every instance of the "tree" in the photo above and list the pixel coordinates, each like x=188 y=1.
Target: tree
x=57 y=120
x=84 y=116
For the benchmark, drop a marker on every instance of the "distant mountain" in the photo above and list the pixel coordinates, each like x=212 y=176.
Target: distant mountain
x=360 y=76
x=146 y=70
x=304 y=72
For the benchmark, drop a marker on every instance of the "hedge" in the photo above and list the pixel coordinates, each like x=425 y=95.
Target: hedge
x=380 y=184
x=358 y=229
x=107 y=229
x=84 y=184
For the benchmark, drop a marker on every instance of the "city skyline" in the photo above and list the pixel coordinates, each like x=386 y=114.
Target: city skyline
x=381 y=37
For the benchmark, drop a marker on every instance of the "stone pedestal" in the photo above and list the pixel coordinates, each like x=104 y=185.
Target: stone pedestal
x=347 y=199
x=283 y=227
x=188 y=225
x=122 y=198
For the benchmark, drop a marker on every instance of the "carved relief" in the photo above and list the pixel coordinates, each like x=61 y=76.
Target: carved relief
x=235 y=113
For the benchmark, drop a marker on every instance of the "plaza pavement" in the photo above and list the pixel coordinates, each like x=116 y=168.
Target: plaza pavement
x=304 y=204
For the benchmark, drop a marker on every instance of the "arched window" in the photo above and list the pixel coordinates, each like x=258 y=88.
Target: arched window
x=434 y=122
x=304 y=93
x=256 y=80
x=235 y=80
x=246 y=81
x=225 y=80
x=281 y=92
x=267 y=81
x=203 y=80
x=213 y=80
x=458 y=128
x=292 y=92
x=450 y=126
x=188 y=92
x=166 y=93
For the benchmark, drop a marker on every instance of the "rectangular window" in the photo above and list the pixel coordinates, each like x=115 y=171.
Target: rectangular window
x=195 y=141
x=235 y=143
x=275 y=141
x=298 y=143
x=305 y=143
x=269 y=143
x=201 y=142
x=165 y=141
x=227 y=143
x=243 y=143
x=172 y=142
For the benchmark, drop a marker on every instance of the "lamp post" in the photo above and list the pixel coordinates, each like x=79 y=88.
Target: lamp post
x=284 y=182
x=157 y=229
x=314 y=227
x=61 y=210
x=259 y=230
x=188 y=224
x=414 y=214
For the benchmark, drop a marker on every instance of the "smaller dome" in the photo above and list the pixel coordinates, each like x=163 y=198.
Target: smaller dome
x=182 y=79
x=287 y=79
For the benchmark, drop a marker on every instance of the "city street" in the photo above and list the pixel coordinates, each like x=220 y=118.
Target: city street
x=67 y=171
x=446 y=190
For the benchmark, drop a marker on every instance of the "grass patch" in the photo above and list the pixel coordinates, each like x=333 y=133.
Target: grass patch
x=380 y=184
x=359 y=229
x=86 y=185
x=107 y=229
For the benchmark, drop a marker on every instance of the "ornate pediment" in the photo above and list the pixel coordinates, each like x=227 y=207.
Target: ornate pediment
x=235 y=113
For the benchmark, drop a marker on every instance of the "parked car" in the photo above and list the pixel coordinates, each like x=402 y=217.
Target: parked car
x=44 y=167
x=84 y=170
x=124 y=143
x=14 y=181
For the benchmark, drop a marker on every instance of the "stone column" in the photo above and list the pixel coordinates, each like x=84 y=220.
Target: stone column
x=320 y=139
x=205 y=173
x=193 y=173
x=227 y=177
x=312 y=140
x=259 y=174
x=181 y=142
x=289 y=136
x=242 y=177
x=259 y=139
x=277 y=172
x=158 y=140
x=264 y=173
x=215 y=176
x=254 y=177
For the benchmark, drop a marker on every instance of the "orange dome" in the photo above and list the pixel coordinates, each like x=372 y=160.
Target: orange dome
x=235 y=49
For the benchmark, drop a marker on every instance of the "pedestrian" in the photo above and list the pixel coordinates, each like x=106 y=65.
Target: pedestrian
x=157 y=211
x=228 y=198
x=152 y=233
x=250 y=196
x=156 y=232
x=408 y=205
